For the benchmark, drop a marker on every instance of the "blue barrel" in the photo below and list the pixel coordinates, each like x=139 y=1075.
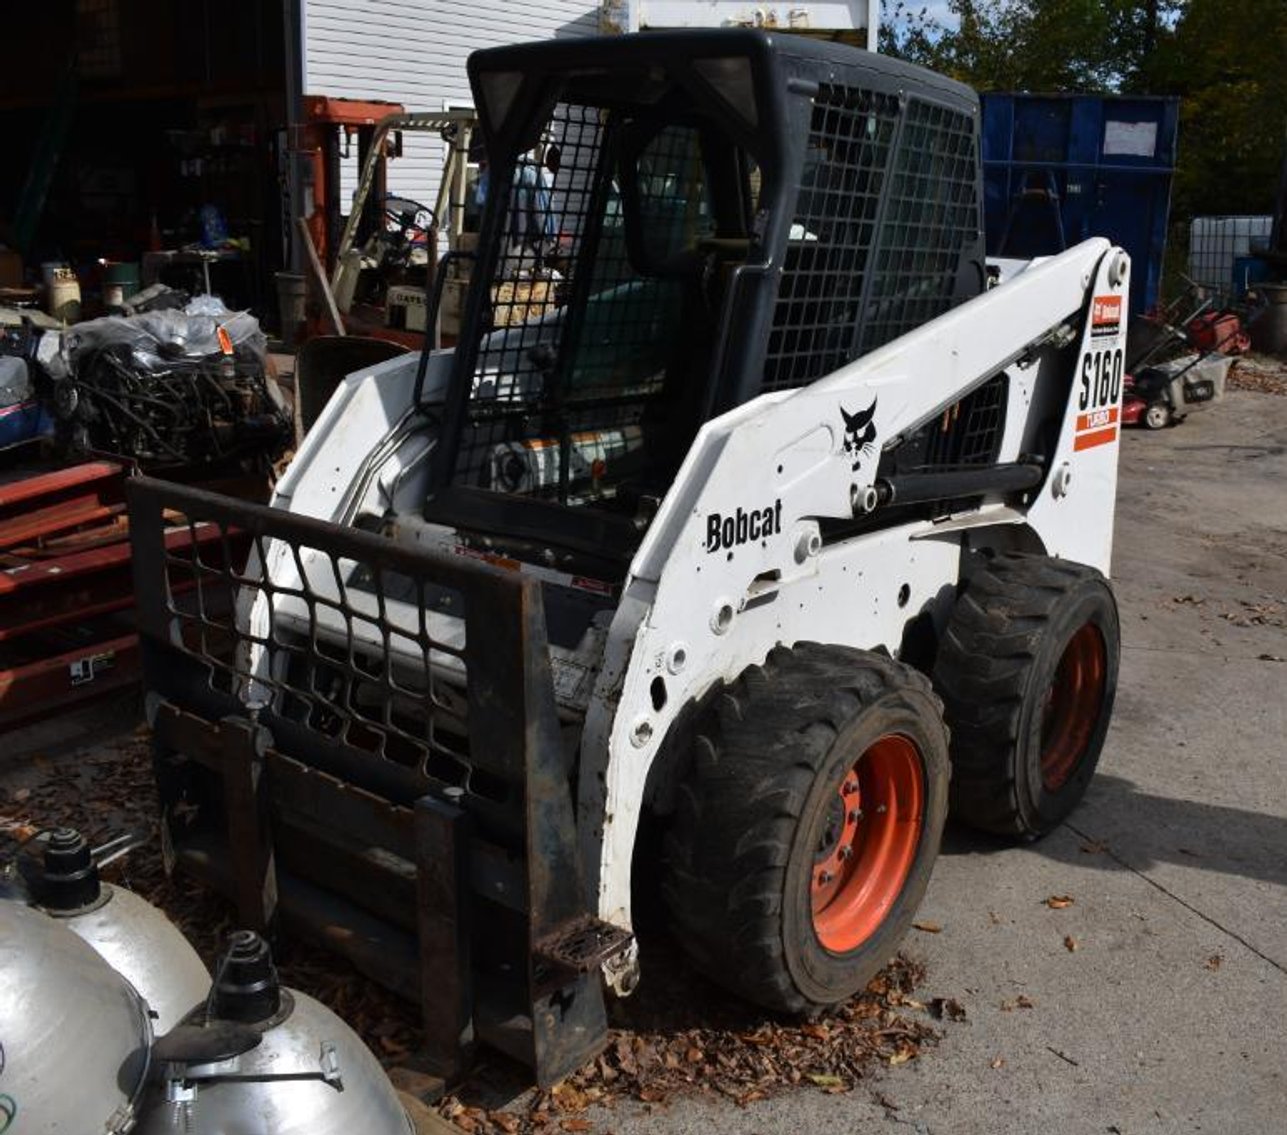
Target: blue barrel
x=1060 y=168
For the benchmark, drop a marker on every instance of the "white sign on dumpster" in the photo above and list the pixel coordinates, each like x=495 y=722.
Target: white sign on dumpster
x=1137 y=139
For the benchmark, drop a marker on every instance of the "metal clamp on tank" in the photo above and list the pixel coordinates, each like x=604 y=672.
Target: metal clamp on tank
x=229 y=1059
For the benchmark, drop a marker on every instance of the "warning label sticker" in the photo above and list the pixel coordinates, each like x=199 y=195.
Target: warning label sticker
x=87 y=669
x=1105 y=316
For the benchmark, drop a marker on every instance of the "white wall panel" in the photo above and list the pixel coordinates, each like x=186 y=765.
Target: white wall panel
x=414 y=52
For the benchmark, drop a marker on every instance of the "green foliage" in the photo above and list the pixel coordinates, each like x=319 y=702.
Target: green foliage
x=1031 y=45
x=1226 y=59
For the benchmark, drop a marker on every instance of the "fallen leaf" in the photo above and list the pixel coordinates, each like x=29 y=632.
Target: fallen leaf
x=902 y=1056
x=948 y=1007
x=1215 y=961
x=21 y=794
x=1094 y=846
x=1070 y=943
x=994 y=918
x=825 y=1081
x=1058 y=902
x=998 y=1062
x=577 y=1125
x=694 y=1055
x=928 y=927
x=1023 y=1001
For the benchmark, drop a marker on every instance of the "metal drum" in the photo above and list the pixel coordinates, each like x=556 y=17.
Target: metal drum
x=74 y=1034
x=266 y=1061
x=135 y=938
x=145 y=947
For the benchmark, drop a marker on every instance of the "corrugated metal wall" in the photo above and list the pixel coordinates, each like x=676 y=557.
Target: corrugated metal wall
x=413 y=52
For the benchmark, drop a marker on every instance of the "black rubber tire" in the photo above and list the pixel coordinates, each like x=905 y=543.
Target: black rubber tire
x=768 y=754
x=995 y=667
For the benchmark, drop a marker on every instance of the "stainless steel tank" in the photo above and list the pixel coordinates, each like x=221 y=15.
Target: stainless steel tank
x=135 y=938
x=266 y=1060
x=74 y=1034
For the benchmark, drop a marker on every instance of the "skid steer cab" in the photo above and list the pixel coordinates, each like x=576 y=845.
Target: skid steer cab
x=737 y=498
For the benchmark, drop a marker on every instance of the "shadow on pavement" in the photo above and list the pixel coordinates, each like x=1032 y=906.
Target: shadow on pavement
x=1145 y=830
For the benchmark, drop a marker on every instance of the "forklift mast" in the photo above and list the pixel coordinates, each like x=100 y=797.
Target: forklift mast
x=330 y=127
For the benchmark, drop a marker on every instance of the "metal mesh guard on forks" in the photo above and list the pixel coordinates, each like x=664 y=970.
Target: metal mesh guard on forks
x=387 y=675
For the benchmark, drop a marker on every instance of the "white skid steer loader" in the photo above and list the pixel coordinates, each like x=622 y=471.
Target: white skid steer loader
x=744 y=507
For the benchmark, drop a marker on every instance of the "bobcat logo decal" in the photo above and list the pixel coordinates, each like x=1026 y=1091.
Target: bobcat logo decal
x=860 y=433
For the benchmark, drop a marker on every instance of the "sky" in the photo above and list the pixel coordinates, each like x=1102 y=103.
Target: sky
x=937 y=10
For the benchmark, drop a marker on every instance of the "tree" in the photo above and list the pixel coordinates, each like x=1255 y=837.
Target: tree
x=1032 y=45
x=1226 y=59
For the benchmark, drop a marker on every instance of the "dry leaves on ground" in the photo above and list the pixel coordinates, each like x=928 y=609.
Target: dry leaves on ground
x=1261 y=373
x=739 y=1060
x=682 y=1038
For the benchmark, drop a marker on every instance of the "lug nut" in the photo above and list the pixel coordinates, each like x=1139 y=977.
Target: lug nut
x=850 y=787
x=825 y=877
x=846 y=852
x=855 y=816
x=881 y=809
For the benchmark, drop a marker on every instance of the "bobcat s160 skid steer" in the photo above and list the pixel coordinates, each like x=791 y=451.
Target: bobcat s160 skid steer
x=744 y=507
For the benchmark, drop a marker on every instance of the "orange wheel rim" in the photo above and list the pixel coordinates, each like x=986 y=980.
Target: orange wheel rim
x=868 y=843
x=1072 y=706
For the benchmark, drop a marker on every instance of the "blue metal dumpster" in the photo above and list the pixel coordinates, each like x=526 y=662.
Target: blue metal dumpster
x=1060 y=168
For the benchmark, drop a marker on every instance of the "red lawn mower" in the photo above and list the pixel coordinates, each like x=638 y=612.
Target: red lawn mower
x=1160 y=394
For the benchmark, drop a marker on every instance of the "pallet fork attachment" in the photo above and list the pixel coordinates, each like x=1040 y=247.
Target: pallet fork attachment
x=337 y=780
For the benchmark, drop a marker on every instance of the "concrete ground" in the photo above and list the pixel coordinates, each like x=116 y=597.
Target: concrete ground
x=1170 y=1015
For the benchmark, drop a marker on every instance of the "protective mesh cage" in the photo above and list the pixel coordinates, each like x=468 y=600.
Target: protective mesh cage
x=816 y=319
x=338 y=646
x=347 y=643
x=968 y=433
x=848 y=285
x=932 y=214
x=578 y=340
